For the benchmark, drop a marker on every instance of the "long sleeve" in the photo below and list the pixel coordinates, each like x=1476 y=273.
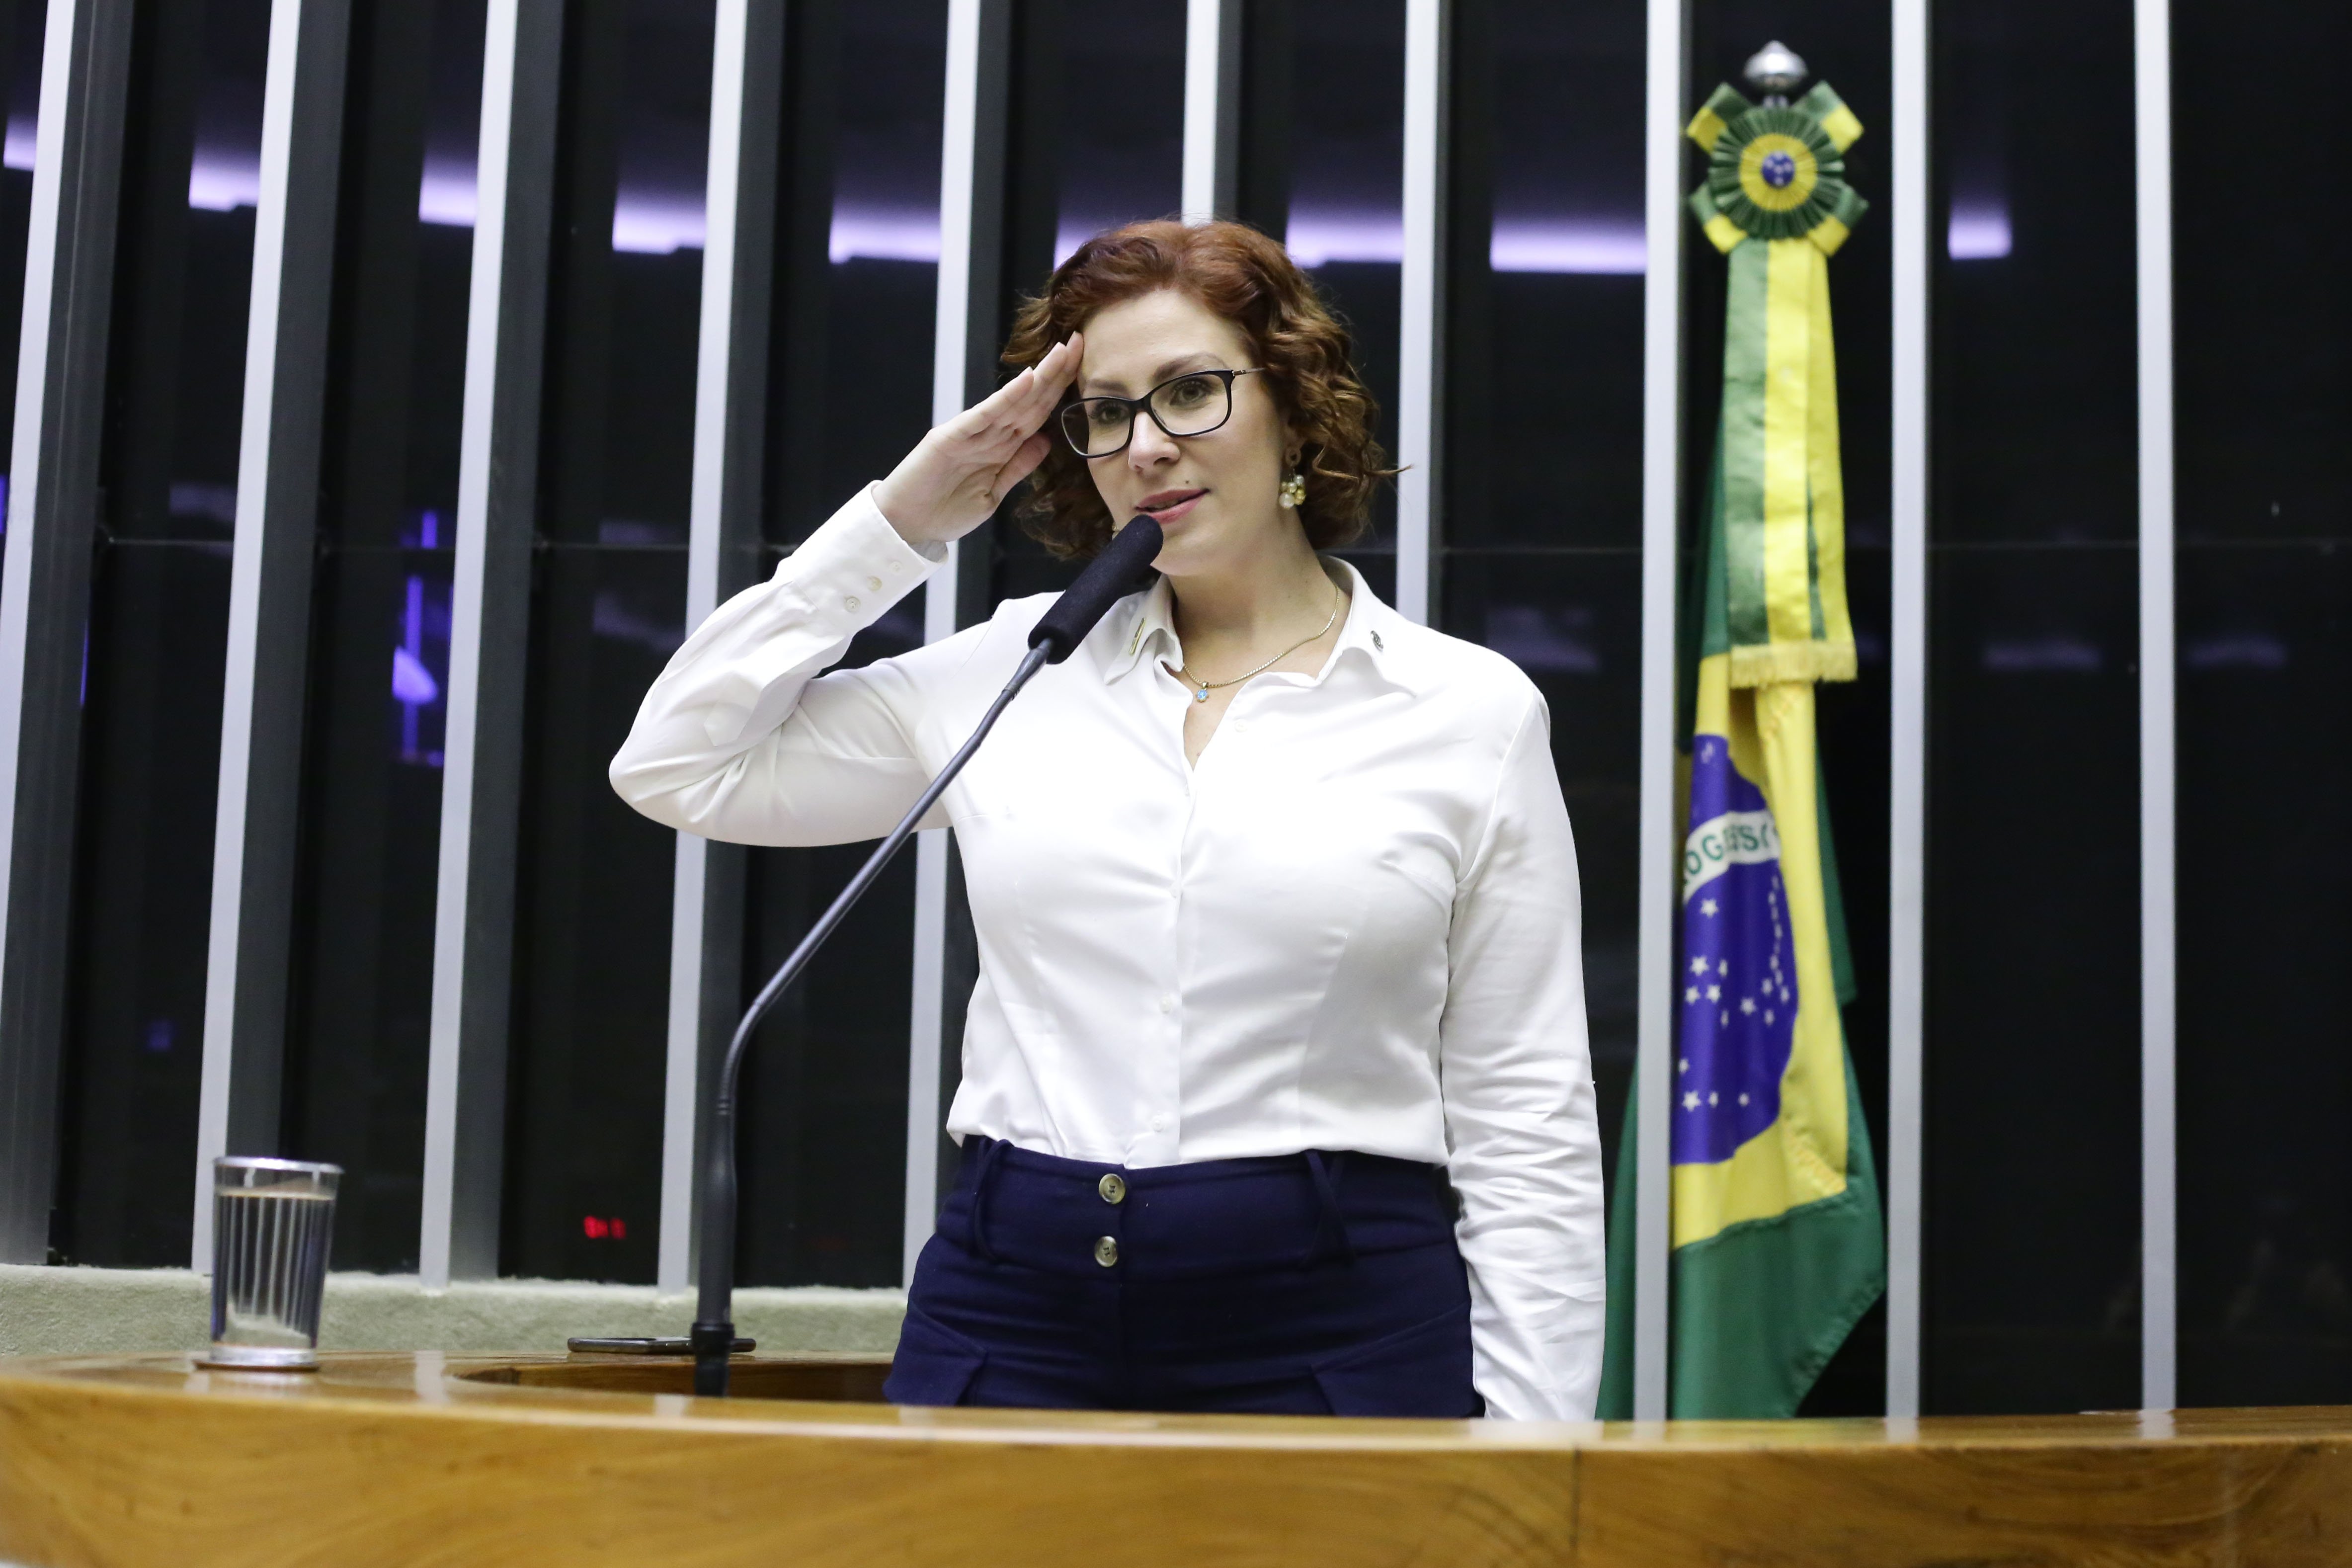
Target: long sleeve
x=1522 y=1130
x=743 y=739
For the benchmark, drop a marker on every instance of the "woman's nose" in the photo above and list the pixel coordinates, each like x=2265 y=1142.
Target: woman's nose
x=1151 y=445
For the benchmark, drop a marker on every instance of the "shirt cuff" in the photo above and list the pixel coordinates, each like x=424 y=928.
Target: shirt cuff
x=850 y=571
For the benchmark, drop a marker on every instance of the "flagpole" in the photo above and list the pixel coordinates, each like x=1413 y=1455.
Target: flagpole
x=2159 y=1327
x=1661 y=508
x=1907 y=763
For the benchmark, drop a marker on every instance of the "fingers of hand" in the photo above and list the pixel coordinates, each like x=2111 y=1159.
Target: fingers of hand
x=1062 y=373
x=998 y=406
x=995 y=427
x=1052 y=378
x=1021 y=464
x=1035 y=396
x=1072 y=351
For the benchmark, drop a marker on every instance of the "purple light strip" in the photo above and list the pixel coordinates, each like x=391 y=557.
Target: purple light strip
x=410 y=691
x=1590 y=245
x=1613 y=248
x=412 y=685
x=658 y=224
x=655 y=226
x=1979 y=233
x=884 y=234
x=447 y=195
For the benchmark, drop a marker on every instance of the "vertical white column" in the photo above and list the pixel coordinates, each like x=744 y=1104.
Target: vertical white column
x=1913 y=205
x=681 y=1065
x=441 y=1222
x=706 y=537
x=2152 y=117
x=244 y=616
x=497 y=482
x=1205 y=23
x=53 y=502
x=950 y=366
x=1418 y=363
x=1662 y=390
x=263 y=686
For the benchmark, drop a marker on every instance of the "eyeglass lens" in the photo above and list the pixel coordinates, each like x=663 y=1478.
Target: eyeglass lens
x=1187 y=405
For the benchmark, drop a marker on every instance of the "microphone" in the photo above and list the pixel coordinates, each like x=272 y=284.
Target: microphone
x=1107 y=578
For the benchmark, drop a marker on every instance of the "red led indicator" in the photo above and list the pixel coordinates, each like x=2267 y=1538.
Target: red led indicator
x=614 y=1229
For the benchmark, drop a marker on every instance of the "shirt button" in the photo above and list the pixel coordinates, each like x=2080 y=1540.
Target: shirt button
x=897 y=567
x=1107 y=1250
x=1112 y=1188
x=874 y=584
x=849 y=603
x=1168 y=1003
x=1160 y=1124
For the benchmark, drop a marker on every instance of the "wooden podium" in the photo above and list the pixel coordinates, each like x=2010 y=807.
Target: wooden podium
x=416 y=1459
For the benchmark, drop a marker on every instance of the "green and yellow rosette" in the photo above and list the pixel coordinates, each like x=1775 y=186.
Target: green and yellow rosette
x=1775 y=202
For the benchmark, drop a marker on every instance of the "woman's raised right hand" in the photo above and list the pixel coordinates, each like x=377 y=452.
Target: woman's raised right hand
x=952 y=483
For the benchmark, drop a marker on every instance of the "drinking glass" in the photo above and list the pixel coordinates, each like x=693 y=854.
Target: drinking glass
x=273 y=1222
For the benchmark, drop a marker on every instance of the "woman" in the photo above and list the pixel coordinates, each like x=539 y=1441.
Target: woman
x=1275 y=1092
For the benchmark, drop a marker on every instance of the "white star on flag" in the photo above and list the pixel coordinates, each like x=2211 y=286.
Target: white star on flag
x=1715 y=993
x=1767 y=1014
x=1743 y=1100
x=1747 y=1004
x=1698 y=966
x=1690 y=1102
x=1706 y=908
x=1683 y=1066
x=1690 y=993
x=1723 y=966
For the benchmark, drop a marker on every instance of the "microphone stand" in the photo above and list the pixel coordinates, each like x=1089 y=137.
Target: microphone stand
x=714 y=1329
x=1056 y=635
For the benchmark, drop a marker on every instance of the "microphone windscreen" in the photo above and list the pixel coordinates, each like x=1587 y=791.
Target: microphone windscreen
x=1109 y=577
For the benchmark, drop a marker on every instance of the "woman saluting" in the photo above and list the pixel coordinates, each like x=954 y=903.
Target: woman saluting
x=1276 y=1090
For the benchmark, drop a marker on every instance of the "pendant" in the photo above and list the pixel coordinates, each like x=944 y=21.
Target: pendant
x=1202 y=695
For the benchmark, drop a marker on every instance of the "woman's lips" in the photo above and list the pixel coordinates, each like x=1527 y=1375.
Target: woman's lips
x=1170 y=511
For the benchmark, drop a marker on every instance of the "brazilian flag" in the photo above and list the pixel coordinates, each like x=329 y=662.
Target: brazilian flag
x=1778 y=1244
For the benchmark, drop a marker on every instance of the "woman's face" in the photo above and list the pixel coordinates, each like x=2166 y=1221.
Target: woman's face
x=1215 y=494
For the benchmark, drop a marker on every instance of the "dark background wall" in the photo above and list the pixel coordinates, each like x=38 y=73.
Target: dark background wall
x=2032 y=1049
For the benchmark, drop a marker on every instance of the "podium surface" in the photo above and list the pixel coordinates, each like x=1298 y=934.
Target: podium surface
x=418 y=1458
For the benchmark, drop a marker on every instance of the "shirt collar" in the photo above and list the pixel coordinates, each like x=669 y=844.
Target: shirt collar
x=1369 y=631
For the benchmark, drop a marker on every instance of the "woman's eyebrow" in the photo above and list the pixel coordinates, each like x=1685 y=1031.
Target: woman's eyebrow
x=1202 y=359
x=1112 y=386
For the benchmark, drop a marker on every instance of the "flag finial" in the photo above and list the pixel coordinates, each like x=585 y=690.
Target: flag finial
x=1775 y=71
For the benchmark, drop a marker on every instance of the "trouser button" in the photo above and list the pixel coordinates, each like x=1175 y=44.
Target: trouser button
x=1107 y=1250
x=1113 y=1187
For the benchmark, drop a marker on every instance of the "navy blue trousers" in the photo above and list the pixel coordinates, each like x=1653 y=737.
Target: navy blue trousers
x=1310 y=1284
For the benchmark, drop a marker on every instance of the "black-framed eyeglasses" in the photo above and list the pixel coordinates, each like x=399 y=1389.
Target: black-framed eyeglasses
x=1193 y=403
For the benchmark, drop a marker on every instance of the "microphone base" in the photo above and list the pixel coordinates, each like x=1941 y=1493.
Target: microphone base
x=713 y=1344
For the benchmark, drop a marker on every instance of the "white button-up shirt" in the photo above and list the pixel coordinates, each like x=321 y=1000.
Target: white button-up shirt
x=1353 y=925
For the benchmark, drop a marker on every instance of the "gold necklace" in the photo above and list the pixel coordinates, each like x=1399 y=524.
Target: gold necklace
x=1338 y=598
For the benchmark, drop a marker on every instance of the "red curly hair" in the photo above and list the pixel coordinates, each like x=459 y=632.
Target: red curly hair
x=1248 y=280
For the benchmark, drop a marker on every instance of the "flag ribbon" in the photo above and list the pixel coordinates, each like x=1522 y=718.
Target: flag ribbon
x=1775 y=202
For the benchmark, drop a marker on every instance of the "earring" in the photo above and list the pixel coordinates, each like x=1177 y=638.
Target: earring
x=1293 y=492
